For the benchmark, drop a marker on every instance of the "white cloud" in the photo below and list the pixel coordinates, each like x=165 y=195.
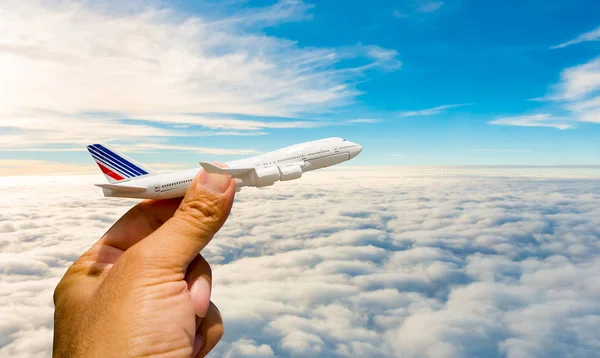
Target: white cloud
x=576 y=98
x=141 y=147
x=363 y=121
x=534 y=120
x=430 y=6
x=229 y=123
x=281 y=11
x=418 y=7
x=431 y=111
x=578 y=82
x=399 y=14
x=249 y=348
x=395 y=262
x=593 y=35
x=65 y=79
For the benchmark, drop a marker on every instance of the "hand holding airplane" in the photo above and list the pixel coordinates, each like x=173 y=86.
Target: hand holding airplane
x=130 y=179
x=143 y=289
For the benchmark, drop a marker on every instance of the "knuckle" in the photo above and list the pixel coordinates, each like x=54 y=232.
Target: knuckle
x=203 y=211
x=58 y=291
x=66 y=282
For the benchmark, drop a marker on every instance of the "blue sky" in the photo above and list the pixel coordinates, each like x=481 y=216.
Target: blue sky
x=415 y=82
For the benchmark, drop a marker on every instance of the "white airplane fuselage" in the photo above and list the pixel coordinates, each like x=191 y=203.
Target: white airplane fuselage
x=287 y=163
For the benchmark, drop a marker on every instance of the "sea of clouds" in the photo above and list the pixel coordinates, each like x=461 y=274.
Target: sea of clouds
x=350 y=263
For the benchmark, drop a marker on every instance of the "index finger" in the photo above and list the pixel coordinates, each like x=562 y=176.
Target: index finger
x=139 y=222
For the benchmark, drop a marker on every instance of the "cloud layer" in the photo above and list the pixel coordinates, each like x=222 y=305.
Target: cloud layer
x=350 y=263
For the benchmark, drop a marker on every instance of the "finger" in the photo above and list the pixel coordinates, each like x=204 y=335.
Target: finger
x=201 y=214
x=210 y=332
x=199 y=280
x=139 y=222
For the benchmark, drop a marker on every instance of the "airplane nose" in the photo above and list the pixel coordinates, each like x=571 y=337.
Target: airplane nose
x=355 y=151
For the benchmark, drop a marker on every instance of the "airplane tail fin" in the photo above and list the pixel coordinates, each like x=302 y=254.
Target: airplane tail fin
x=115 y=166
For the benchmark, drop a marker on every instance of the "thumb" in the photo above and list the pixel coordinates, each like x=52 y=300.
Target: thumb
x=200 y=215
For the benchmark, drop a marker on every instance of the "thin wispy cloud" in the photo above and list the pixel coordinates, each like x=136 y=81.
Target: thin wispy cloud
x=593 y=35
x=248 y=126
x=281 y=11
x=432 y=111
x=150 y=147
x=238 y=126
x=430 y=6
x=363 y=121
x=533 y=120
x=499 y=150
x=399 y=14
x=418 y=7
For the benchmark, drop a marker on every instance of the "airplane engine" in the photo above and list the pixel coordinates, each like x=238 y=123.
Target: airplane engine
x=262 y=177
x=290 y=172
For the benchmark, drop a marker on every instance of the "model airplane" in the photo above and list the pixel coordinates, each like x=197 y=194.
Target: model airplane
x=130 y=179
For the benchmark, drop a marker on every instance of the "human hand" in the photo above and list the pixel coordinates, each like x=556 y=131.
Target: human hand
x=143 y=289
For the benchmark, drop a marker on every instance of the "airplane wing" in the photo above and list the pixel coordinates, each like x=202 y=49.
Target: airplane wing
x=115 y=187
x=234 y=172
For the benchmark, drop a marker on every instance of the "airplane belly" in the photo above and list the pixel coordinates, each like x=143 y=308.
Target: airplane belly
x=130 y=194
x=172 y=193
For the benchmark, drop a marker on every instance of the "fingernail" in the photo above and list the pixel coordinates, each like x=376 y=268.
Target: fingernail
x=200 y=293
x=217 y=183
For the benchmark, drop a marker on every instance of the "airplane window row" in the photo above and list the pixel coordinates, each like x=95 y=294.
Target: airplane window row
x=283 y=160
x=179 y=182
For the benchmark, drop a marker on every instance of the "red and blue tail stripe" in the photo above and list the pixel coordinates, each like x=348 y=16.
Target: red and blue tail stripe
x=115 y=166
